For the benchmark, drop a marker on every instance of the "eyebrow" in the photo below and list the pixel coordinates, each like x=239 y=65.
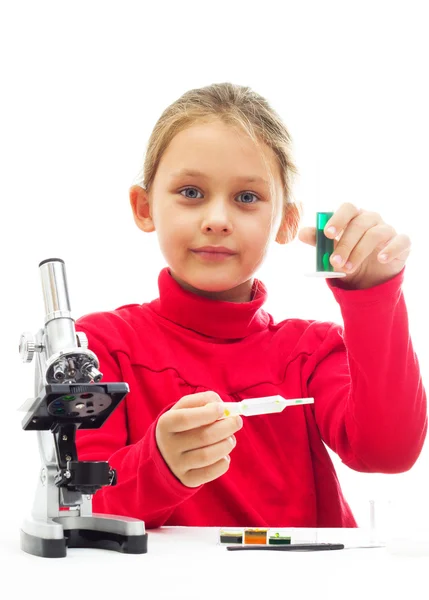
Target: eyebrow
x=193 y=173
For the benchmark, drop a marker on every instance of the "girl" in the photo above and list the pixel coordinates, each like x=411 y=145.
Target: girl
x=217 y=190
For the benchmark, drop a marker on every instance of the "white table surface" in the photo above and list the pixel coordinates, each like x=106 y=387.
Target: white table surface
x=190 y=563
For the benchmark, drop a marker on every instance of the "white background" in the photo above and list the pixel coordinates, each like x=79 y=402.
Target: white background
x=82 y=85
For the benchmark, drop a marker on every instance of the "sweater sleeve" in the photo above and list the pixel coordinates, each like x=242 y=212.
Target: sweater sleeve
x=146 y=489
x=370 y=403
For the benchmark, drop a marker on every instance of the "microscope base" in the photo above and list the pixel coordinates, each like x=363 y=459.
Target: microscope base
x=50 y=539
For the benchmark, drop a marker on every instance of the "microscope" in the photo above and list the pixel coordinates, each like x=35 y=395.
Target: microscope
x=69 y=395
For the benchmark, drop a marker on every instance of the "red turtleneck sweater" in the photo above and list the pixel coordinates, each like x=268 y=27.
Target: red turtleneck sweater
x=369 y=403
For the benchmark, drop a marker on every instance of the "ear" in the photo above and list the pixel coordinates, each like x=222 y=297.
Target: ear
x=289 y=224
x=139 y=200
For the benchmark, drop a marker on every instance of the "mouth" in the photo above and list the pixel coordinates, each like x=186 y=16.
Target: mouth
x=210 y=254
x=213 y=250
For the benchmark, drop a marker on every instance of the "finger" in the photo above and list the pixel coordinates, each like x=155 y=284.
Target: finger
x=199 y=399
x=374 y=238
x=352 y=236
x=185 y=419
x=209 y=455
x=398 y=247
x=340 y=219
x=307 y=235
x=197 y=477
x=209 y=434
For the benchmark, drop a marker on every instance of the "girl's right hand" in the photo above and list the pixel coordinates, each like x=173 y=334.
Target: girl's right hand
x=194 y=440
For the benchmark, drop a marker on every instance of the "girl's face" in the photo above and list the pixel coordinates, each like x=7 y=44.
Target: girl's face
x=212 y=189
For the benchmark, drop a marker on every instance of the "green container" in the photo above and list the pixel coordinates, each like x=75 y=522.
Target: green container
x=279 y=540
x=324 y=245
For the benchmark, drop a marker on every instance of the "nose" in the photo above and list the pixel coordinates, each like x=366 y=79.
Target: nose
x=216 y=217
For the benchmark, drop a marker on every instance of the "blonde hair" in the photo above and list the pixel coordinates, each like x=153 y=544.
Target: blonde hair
x=234 y=105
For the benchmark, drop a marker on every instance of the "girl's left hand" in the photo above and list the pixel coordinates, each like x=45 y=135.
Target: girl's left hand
x=365 y=247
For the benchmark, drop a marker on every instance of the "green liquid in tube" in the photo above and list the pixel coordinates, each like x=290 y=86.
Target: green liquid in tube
x=324 y=245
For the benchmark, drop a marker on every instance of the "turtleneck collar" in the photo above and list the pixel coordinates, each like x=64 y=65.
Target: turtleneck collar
x=214 y=318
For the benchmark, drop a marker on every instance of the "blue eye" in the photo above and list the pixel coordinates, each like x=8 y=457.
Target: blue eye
x=249 y=194
x=187 y=190
x=245 y=201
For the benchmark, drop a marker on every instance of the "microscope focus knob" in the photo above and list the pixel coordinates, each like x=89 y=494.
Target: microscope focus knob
x=27 y=347
x=82 y=340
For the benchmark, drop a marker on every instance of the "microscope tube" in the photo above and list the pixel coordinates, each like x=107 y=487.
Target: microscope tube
x=59 y=325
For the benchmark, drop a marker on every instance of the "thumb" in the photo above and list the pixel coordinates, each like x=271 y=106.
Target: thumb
x=307 y=235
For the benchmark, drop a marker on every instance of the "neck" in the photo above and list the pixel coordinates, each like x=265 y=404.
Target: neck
x=217 y=319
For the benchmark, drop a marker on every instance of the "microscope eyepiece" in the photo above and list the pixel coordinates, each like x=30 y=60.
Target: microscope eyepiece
x=51 y=260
